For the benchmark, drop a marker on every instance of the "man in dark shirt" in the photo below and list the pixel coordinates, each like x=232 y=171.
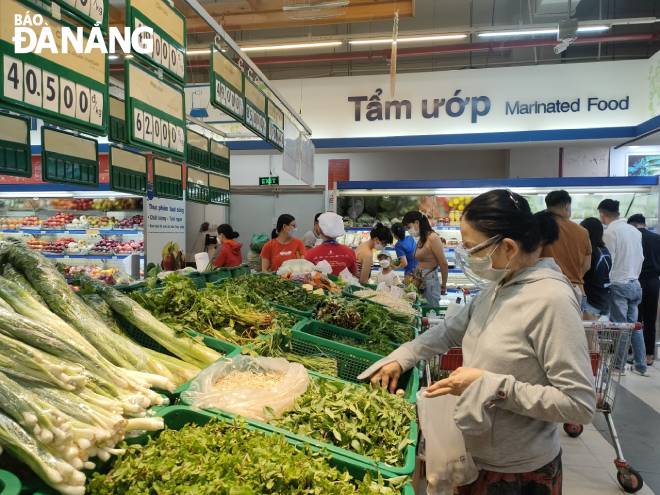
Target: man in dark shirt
x=649 y=279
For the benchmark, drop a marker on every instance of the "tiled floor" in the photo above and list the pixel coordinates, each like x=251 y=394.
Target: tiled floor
x=588 y=459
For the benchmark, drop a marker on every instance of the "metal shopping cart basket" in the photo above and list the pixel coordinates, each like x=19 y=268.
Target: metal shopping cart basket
x=608 y=343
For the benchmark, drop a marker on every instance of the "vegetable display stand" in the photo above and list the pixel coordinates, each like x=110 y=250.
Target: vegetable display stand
x=315 y=337
x=292 y=311
x=9 y=483
x=354 y=459
x=176 y=417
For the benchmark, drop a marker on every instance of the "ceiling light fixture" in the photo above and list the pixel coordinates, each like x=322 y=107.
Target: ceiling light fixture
x=292 y=46
x=409 y=39
x=198 y=51
x=540 y=32
x=522 y=32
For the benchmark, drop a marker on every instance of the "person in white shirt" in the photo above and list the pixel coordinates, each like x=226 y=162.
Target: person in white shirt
x=312 y=238
x=625 y=245
x=386 y=276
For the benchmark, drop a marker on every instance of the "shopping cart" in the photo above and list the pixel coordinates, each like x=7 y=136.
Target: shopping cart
x=607 y=342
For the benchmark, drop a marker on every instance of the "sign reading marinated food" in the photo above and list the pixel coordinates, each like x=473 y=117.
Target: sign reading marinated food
x=168 y=179
x=169 y=33
x=128 y=171
x=255 y=109
x=156 y=111
x=91 y=11
x=68 y=158
x=15 y=152
x=68 y=89
x=197 y=149
x=219 y=160
x=227 y=85
x=275 y=125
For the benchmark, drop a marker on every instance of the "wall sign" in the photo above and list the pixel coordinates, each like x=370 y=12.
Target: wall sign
x=69 y=158
x=197 y=185
x=156 y=109
x=219 y=159
x=197 y=149
x=255 y=109
x=493 y=100
x=15 y=151
x=227 y=85
x=169 y=28
x=219 y=187
x=275 y=125
x=168 y=179
x=67 y=89
x=128 y=171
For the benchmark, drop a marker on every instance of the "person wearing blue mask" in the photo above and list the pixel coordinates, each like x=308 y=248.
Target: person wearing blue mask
x=526 y=366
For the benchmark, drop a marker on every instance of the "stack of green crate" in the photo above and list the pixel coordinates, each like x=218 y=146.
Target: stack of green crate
x=9 y=483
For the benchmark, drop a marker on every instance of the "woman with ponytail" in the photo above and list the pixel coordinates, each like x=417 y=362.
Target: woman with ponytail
x=526 y=365
x=430 y=255
x=282 y=246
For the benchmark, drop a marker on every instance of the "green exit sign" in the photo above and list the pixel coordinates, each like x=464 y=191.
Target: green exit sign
x=269 y=181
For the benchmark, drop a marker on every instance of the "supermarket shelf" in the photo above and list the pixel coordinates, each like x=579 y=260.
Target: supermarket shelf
x=88 y=256
x=75 y=231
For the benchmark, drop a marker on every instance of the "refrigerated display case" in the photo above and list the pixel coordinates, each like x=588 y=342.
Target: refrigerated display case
x=80 y=230
x=363 y=203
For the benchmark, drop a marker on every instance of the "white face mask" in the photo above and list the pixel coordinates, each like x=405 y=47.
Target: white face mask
x=413 y=231
x=479 y=269
x=378 y=246
x=384 y=263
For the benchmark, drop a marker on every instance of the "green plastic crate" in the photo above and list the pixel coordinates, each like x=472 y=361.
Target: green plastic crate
x=439 y=310
x=312 y=337
x=239 y=271
x=217 y=275
x=386 y=470
x=9 y=483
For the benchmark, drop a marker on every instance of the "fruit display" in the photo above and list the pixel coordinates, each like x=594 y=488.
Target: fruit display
x=15 y=223
x=106 y=275
x=101 y=222
x=134 y=222
x=104 y=246
x=129 y=247
x=58 y=221
x=37 y=244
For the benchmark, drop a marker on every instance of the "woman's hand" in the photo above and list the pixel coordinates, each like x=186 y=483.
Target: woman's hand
x=387 y=377
x=455 y=384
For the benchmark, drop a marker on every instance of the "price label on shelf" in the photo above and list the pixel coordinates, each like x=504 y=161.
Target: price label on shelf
x=67 y=89
x=227 y=85
x=90 y=11
x=154 y=103
x=169 y=34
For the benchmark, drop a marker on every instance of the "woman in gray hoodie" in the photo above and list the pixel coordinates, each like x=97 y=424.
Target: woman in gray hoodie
x=526 y=365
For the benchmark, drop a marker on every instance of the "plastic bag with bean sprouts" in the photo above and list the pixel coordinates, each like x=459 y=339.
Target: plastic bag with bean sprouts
x=254 y=387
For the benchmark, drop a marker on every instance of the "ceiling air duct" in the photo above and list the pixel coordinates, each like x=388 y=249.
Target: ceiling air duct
x=311 y=9
x=554 y=8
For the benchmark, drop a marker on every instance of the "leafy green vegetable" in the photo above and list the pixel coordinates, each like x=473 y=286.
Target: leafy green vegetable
x=367 y=421
x=368 y=318
x=228 y=459
x=270 y=288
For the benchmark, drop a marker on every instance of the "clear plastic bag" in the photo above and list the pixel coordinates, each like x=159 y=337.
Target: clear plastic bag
x=448 y=464
x=251 y=399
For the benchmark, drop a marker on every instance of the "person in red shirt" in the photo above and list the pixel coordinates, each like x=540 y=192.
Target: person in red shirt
x=230 y=250
x=339 y=256
x=283 y=246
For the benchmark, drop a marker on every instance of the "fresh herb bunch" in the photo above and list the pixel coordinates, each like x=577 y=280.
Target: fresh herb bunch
x=370 y=422
x=227 y=458
x=265 y=288
x=368 y=318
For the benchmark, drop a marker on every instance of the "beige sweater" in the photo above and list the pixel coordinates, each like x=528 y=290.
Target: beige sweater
x=528 y=336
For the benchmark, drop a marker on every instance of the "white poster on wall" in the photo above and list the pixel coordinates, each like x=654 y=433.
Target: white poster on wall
x=164 y=221
x=510 y=99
